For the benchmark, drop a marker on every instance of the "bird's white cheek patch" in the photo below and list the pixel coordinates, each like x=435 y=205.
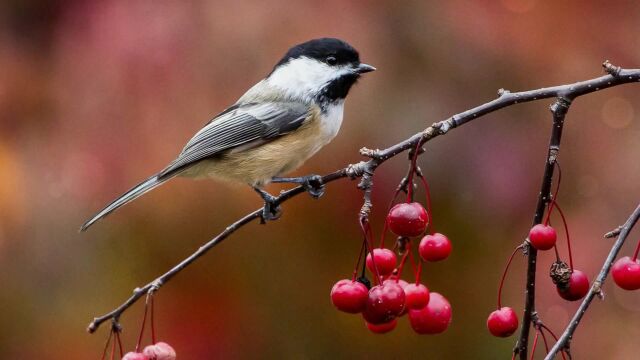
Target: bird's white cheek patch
x=332 y=120
x=303 y=77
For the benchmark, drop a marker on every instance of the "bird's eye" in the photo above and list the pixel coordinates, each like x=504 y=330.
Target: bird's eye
x=331 y=60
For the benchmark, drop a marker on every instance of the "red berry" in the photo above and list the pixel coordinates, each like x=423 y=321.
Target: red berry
x=433 y=318
x=385 y=261
x=160 y=351
x=434 y=247
x=408 y=219
x=542 y=237
x=396 y=281
x=626 y=273
x=578 y=287
x=416 y=296
x=384 y=303
x=503 y=322
x=349 y=296
x=135 y=356
x=383 y=328
x=403 y=284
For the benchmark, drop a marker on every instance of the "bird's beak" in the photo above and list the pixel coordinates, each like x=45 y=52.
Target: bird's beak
x=364 y=68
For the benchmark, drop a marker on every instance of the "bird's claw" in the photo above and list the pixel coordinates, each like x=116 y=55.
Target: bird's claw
x=314 y=185
x=271 y=211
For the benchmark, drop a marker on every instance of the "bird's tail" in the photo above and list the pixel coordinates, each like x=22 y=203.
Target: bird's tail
x=130 y=195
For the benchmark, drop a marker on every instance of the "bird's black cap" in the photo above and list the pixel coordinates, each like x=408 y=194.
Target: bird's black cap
x=321 y=49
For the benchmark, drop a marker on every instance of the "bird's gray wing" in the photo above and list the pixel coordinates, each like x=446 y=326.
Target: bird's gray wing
x=238 y=126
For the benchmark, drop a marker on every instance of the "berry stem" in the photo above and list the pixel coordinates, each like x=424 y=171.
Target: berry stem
x=555 y=249
x=413 y=264
x=113 y=348
x=144 y=322
x=385 y=227
x=430 y=225
x=544 y=340
x=362 y=251
x=635 y=254
x=366 y=230
x=363 y=272
x=404 y=259
x=554 y=199
x=106 y=345
x=566 y=231
x=153 y=325
x=544 y=327
x=535 y=344
x=504 y=275
x=412 y=171
x=419 y=272
x=119 y=343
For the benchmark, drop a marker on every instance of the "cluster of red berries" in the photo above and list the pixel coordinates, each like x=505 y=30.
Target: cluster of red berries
x=381 y=305
x=626 y=271
x=158 y=351
x=543 y=237
x=571 y=284
x=392 y=297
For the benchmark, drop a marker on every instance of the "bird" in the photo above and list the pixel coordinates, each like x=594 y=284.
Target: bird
x=272 y=129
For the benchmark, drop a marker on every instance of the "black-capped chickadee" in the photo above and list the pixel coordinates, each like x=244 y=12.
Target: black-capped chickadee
x=273 y=128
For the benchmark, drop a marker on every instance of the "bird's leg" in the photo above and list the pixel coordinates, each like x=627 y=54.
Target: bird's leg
x=312 y=183
x=271 y=210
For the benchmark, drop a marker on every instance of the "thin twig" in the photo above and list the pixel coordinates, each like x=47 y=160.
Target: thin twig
x=377 y=157
x=596 y=287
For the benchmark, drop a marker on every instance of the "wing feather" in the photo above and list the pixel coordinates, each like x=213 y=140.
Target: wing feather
x=239 y=126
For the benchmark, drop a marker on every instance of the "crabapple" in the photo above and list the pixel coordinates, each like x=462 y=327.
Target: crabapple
x=416 y=296
x=408 y=219
x=135 y=356
x=542 y=237
x=577 y=288
x=626 y=273
x=433 y=318
x=384 y=259
x=349 y=296
x=434 y=247
x=160 y=351
x=384 y=327
x=384 y=303
x=502 y=322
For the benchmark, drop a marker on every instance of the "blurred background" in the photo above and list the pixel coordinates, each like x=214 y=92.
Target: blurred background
x=97 y=95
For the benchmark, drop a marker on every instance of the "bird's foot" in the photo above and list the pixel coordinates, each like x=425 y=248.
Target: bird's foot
x=271 y=210
x=313 y=184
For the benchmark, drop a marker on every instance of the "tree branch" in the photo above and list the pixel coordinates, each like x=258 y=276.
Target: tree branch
x=559 y=110
x=616 y=76
x=596 y=287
